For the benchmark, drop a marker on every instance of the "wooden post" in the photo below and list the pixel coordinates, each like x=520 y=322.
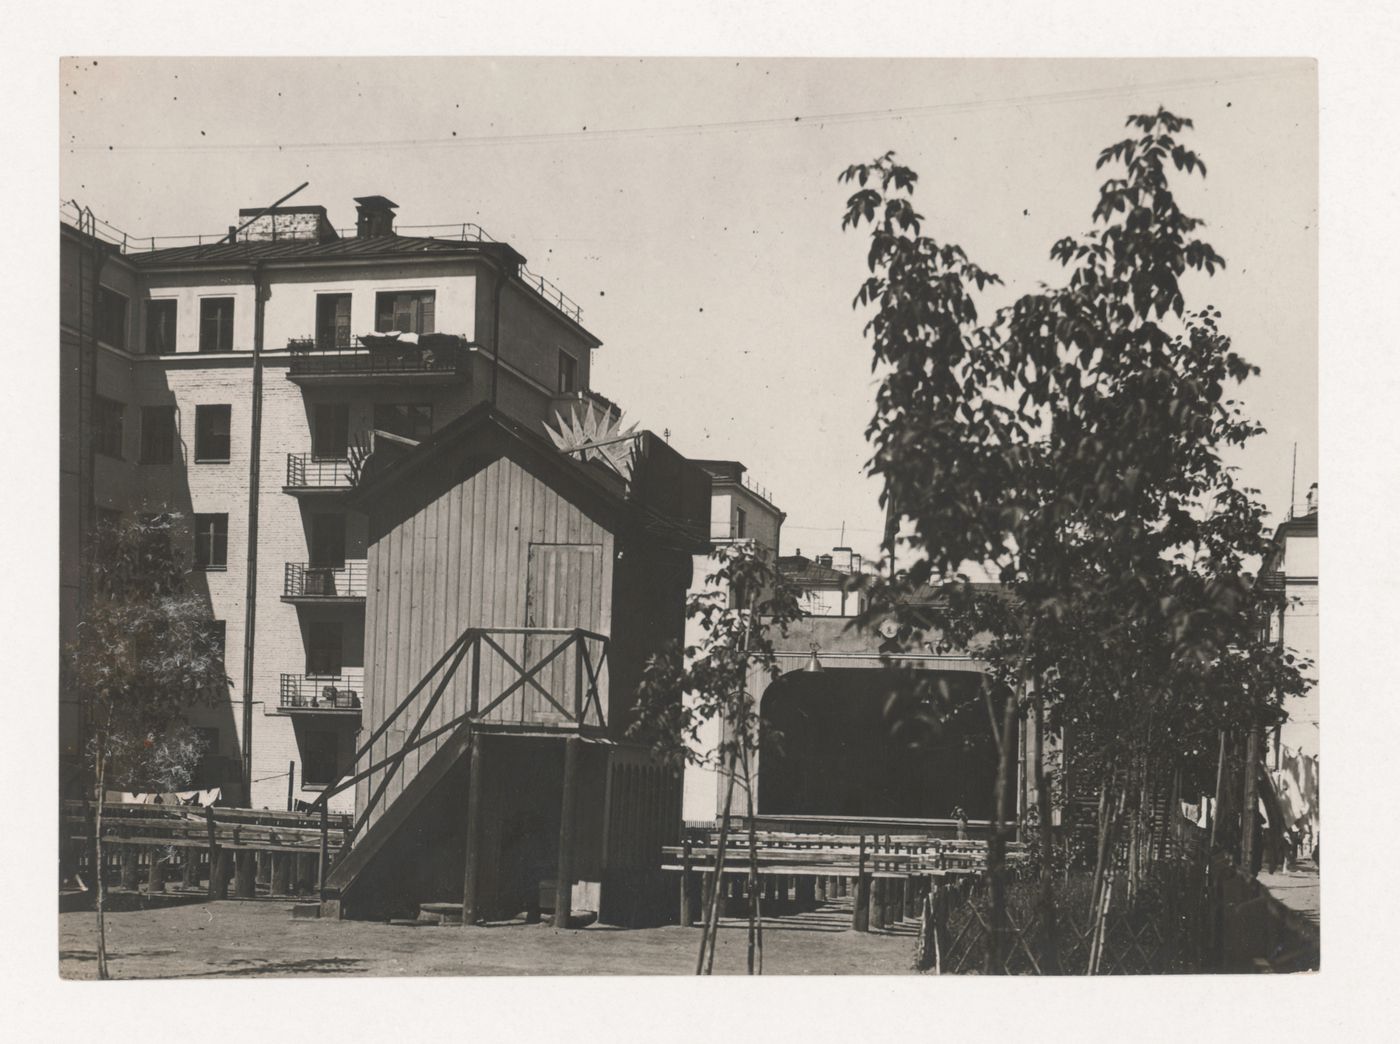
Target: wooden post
x=306 y=874
x=244 y=886
x=687 y=886
x=860 y=909
x=264 y=868
x=213 y=854
x=471 y=873
x=707 y=890
x=564 y=877
x=155 y=877
x=189 y=866
x=910 y=887
x=1249 y=814
x=291 y=785
x=130 y=866
x=322 y=865
x=219 y=873
x=821 y=889
x=281 y=873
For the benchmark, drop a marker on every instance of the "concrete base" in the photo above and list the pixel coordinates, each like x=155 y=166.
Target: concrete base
x=306 y=911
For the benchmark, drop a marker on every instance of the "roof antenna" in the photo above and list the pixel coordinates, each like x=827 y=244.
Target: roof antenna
x=233 y=232
x=843 y=534
x=1293 y=482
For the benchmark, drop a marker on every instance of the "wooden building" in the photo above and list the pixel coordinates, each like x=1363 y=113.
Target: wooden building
x=515 y=593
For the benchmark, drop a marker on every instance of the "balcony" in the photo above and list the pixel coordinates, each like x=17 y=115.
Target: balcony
x=432 y=358
x=338 y=695
x=307 y=584
x=308 y=474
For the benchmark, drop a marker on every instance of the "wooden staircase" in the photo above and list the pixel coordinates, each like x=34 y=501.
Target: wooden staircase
x=356 y=859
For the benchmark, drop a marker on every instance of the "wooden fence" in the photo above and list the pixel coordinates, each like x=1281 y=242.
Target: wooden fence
x=220 y=850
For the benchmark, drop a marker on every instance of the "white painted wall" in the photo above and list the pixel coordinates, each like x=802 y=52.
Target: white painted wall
x=291 y=305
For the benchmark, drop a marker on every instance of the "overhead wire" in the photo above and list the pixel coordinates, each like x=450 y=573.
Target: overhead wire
x=765 y=123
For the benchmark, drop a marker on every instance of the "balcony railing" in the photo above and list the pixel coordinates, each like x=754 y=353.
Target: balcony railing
x=313 y=582
x=343 y=692
x=441 y=357
x=307 y=471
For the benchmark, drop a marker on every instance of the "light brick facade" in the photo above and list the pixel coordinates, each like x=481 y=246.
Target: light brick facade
x=471 y=283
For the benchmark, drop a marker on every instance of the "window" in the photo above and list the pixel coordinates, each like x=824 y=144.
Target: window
x=328 y=541
x=216 y=324
x=160 y=327
x=324 y=650
x=107 y=413
x=157 y=434
x=406 y=312
x=411 y=420
x=211 y=541
x=741 y=523
x=330 y=430
x=111 y=317
x=211 y=433
x=568 y=372
x=332 y=321
x=319 y=753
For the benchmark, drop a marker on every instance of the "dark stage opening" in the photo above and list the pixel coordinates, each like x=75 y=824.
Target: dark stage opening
x=877 y=742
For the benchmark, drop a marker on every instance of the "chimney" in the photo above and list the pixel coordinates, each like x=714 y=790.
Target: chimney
x=374 y=216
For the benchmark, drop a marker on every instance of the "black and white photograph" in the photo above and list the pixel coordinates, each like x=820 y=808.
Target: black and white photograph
x=588 y=514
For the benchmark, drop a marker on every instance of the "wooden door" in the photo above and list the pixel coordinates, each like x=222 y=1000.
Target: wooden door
x=564 y=590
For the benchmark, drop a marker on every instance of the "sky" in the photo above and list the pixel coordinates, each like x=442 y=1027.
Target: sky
x=692 y=208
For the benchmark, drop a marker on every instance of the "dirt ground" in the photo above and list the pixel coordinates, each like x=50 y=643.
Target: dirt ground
x=201 y=939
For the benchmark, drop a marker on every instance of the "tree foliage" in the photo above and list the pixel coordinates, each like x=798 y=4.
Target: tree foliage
x=745 y=601
x=146 y=651
x=1073 y=445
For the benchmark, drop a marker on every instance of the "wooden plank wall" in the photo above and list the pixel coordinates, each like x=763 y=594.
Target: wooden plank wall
x=643 y=814
x=462 y=561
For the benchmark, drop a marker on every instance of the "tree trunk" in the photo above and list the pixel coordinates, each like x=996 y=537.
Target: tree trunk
x=706 y=960
x=1050 y=960
x=99 y=855
x=755 y=956
x=996 y=848
x=1249 y=813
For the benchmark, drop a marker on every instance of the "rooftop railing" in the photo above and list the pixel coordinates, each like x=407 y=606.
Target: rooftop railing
x=82 y=218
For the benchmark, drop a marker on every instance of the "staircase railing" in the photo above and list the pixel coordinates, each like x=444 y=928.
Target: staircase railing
x=586 y=705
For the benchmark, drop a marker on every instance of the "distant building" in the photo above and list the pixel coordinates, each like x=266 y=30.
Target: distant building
x=824 y=582
x=1295 y=568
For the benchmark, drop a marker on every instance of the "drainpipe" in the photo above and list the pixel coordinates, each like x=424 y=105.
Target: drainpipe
x=251 y=590
x=496 y=330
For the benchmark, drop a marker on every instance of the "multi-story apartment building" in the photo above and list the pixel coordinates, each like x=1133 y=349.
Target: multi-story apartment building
x=233 y=382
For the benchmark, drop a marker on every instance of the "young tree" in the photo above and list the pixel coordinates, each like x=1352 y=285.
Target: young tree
x=718 y=681
x=1072 y=445
x=145 y=653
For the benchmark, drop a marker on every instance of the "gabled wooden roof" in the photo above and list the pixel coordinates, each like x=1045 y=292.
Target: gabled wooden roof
x=399 y=484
